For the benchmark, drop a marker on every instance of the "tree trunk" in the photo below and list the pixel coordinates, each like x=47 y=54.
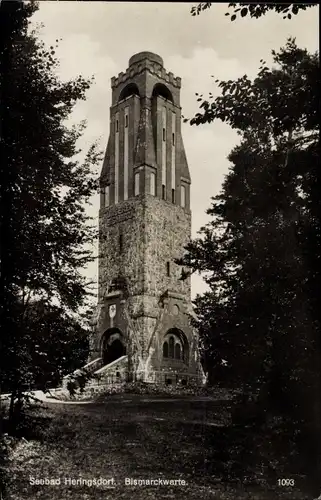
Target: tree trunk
x=11 y=422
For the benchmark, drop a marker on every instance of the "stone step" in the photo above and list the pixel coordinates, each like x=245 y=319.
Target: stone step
x=89 y=368
x=115 y=371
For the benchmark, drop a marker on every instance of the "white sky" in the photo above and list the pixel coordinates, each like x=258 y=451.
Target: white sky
x=98 y=38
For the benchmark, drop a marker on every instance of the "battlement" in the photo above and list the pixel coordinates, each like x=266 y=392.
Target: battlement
x=146 y=61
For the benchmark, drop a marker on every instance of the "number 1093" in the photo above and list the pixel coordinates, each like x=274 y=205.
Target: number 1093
x=285 y=482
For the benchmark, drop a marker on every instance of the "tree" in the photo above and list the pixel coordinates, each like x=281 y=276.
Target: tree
x=256 y=10
x=52 y=345
x=43 y=222
x=261 y=250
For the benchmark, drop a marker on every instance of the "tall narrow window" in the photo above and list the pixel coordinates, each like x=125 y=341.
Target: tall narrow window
x=121 y=243
x=173 y=155
x=171 y=347
x=164 y=148
x=177 y=351
x=168 y=269
x=125 y=180
x=183 y=196
x=165 y=350
x=136 y=189
x=116 y=184
x=173 y=195
x=107 y=196
x=163 y=192
x=153 y=183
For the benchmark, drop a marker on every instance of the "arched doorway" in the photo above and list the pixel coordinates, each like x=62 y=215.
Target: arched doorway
x=113 y=346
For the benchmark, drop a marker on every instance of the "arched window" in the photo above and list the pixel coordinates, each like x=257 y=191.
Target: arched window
x=161 y=90
x=178 y=352
x=129 y=90
x=175 y=346
x=165 y=350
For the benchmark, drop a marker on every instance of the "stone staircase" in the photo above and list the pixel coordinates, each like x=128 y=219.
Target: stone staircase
x=113 y=372
x=112 y=375
x=91 y=367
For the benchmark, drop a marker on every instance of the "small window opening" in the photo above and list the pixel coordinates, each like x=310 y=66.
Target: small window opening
x=164 y=134
x=136 y=186
x=126 y=121
x=152 y=183
x=183 y=196
x=165 y=350
x=171 y=347
x=178 y=351
x=117 y=126
x=121 y=243
x=168 y=269
x=117 y=374
x=163 y=191
x=105 y=192
x=173 y=195
x=173 y=139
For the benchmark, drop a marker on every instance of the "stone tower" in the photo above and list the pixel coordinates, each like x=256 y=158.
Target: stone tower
x=144 y=222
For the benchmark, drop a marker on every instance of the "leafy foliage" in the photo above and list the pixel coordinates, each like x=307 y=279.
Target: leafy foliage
x=52 y=345
x=44 y=224
x=256 y=10
x=261 y=249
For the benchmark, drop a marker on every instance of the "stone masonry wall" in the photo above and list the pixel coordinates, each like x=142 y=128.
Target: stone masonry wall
x=122 y=219
x=167 y=231
x=154 y=233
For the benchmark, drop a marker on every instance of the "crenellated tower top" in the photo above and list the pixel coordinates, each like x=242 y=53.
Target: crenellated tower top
x=145 y=153
x=138 y=65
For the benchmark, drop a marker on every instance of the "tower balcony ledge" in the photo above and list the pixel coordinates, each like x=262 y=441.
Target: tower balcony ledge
x=112 y=295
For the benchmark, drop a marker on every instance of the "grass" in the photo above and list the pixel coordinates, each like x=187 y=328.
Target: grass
x=129 y=436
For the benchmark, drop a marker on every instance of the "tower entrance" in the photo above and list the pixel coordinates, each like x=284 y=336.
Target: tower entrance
x=113 y=346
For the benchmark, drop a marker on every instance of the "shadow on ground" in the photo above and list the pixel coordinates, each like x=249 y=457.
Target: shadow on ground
x=143 y=438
